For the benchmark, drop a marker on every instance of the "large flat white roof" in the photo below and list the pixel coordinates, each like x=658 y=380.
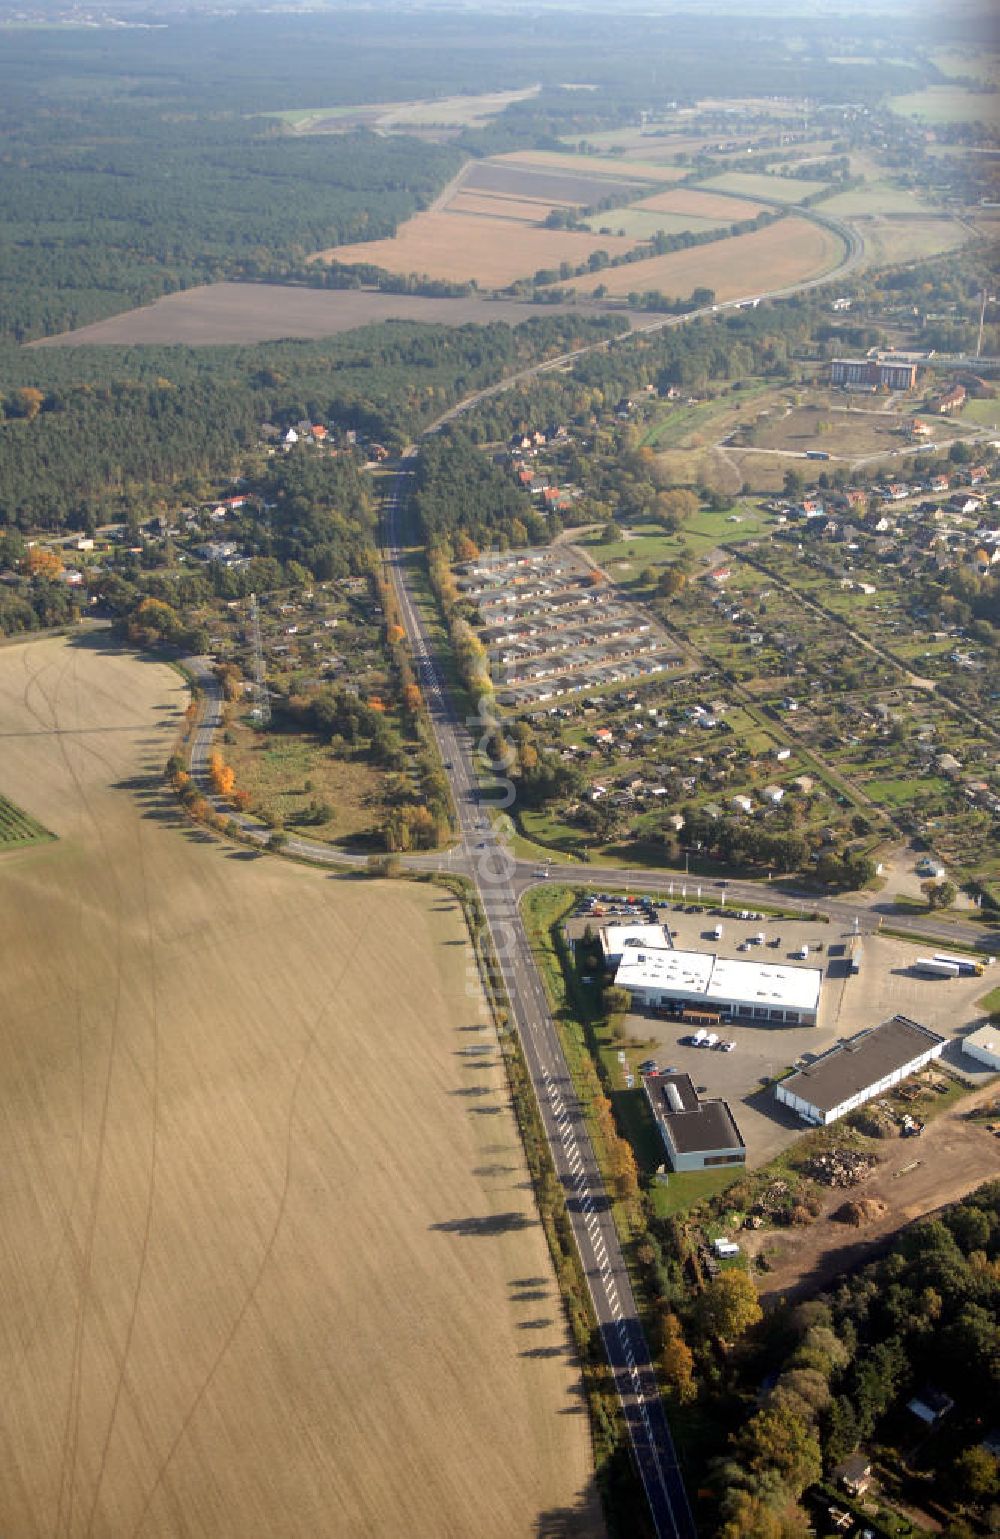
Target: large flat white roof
x=710 y=977
x=618 y=936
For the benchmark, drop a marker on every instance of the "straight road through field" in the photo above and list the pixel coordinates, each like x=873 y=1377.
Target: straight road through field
x=492 y=870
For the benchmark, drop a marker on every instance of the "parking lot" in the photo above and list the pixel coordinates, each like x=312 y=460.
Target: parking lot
x=550 y=629
x=885 y=986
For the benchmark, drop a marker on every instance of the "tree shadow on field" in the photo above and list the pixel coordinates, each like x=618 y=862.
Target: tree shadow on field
x=472 y=1090
x=153 y=800
x=489 y=1226
x=582 y=1520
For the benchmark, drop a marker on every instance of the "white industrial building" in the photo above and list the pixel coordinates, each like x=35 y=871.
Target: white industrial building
x=720 y=986
x=616 y=938
x=859 y=1068
x=984 y=1045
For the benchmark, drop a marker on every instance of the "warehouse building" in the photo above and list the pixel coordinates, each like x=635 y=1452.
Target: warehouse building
x=984 y=1045
x=859 y=1068
x=698 y=1135
x=720 y=988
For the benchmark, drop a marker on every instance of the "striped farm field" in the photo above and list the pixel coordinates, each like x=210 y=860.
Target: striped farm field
x=592 y=165
x=785 y=252
x=462 y=247
x=17 y=828
x=501 y=206
x=271 y=1264
x=704 y=205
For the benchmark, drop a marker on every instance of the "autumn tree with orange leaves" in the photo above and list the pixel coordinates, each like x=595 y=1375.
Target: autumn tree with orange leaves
x=221 y=774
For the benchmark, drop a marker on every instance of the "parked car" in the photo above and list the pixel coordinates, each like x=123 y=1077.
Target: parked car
x=648 y=1066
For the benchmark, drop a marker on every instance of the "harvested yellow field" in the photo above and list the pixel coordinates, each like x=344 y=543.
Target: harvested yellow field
x=783 y=253
x=271 y=1268
x=526 y=210
x=595 y=165
x=462 y=247
x=704 y=205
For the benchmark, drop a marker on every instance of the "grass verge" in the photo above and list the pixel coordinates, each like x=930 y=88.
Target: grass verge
x=624 y=1503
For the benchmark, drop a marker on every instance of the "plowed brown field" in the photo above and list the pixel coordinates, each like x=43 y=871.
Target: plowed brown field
x=270 y=1264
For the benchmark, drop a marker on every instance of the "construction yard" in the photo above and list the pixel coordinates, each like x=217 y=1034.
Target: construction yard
x=888 y=983
x=272 y=1264
x=909 y=1178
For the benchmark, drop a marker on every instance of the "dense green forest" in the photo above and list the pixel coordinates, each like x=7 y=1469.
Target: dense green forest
x=103 y=209
x=923 y=1318
x=137 y=161
x=92 y=431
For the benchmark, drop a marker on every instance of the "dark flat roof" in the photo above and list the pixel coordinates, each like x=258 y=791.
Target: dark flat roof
x=701 y=1126
x=860 y=1061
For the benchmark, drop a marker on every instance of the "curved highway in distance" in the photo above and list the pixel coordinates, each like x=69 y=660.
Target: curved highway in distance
x=854 y=250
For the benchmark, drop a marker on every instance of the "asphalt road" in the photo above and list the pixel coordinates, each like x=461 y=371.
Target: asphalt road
x=500 y=881
x=493 y=871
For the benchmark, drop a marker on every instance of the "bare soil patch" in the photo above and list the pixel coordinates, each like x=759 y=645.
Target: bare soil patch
x=461 y=247
x=783 y=253
x=271 y=1265
x=914 y=1176
x=220 y=313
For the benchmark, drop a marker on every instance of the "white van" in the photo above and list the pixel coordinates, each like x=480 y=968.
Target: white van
x=717 y=932
x=699 y=1037
x=802 y=953
x=711 y=1039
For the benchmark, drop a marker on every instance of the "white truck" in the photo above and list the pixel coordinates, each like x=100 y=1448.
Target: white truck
x=932 y=968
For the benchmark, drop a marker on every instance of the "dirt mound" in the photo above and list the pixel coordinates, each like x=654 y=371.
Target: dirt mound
x=840 y=1167
x=860 y=1210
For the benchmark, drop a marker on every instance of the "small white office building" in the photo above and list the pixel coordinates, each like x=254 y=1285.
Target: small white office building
x=984 y=1045
x=617 y=938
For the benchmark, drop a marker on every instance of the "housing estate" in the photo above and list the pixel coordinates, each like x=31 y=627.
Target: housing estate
x=873 y=374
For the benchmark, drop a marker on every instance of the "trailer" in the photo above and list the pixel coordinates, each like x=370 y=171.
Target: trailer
x=932 y=968
x=969 y=967
x=854 y=957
